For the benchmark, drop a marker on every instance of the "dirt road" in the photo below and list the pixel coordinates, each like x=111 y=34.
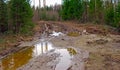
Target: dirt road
x=80 y=47
x=85 y=52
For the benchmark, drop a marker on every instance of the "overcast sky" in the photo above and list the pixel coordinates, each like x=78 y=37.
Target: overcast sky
x=48 y=2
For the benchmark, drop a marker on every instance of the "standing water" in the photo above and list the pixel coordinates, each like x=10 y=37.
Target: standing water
x=18 y=59
x=64 y=60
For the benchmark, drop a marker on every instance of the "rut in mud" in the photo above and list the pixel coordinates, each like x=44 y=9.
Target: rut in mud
x=44 y=56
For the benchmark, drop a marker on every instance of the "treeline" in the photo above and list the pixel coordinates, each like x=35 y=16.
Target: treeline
x=15 y=16
x=96 y=11
x=47 y=13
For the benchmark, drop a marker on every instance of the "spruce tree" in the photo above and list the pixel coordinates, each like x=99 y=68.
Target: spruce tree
x=3 y=16
x=95 y=10
x=117 y=16
x=72 y=9
x=21 y=14
x=109 y=14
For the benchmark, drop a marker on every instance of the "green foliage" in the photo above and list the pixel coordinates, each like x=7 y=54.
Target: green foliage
x=112 y=15
x=15 y=16
x=95 y=10
x=117 y=15
x=71 y=9
x=43 y=16
x=27 y=28
x=21 y=15
x=109 y=16
x=92 y=9
x=3 y=16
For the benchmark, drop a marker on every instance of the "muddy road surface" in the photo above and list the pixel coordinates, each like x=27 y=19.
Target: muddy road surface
x=66 y=47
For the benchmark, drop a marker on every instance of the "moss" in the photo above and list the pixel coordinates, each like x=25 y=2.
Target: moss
x=71 y=51
x=74 y=34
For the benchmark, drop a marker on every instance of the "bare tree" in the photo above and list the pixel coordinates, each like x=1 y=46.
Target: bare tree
x=44 y=3
x=39 y=4
x=39 y=9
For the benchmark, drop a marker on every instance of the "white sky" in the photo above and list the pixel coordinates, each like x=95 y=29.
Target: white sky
x=48 y=2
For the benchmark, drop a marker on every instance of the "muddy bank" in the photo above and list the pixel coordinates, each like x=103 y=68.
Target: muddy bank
x=65 y=57
x=12 y=44
x=7 y=52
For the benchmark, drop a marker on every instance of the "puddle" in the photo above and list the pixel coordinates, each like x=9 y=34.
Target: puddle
x=41 y=48
x=16 y=60
x=56 y=33
x=65 y=58
x=13 y=61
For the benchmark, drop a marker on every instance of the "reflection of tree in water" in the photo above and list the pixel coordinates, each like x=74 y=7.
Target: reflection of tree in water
x=71 y=51
x=41 y=48
x=46 y=46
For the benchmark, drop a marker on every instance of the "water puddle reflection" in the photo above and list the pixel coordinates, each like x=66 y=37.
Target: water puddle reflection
x=41 y=48
x=65 y=58
x=18 y=59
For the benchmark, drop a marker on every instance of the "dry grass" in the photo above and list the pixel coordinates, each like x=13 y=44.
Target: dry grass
x=11 y=41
